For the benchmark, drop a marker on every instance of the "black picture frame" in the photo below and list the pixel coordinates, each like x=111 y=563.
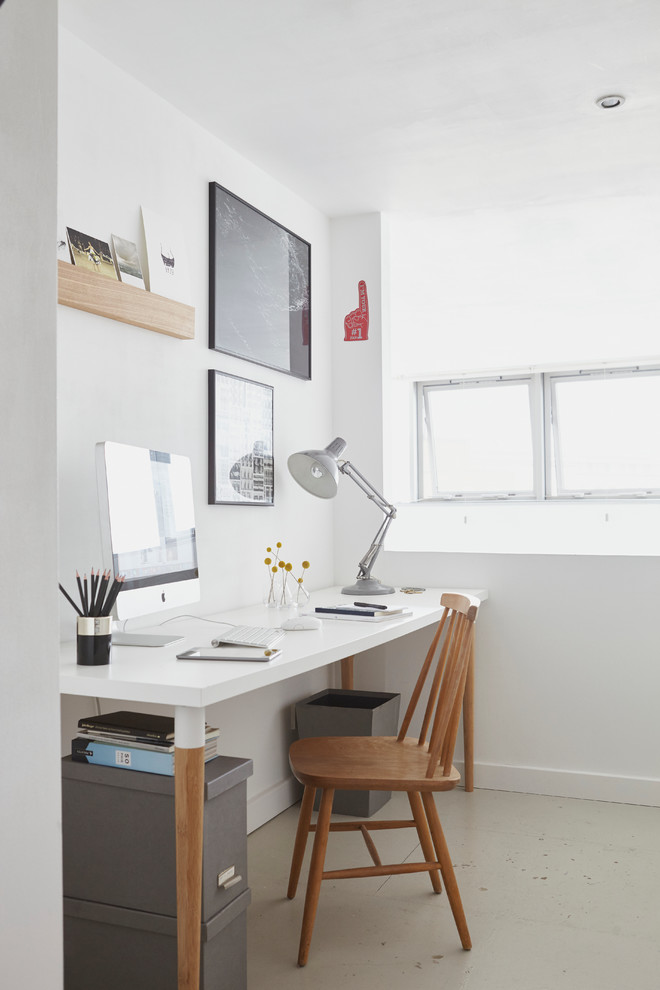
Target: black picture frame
x=241 y=468
x=259 y=287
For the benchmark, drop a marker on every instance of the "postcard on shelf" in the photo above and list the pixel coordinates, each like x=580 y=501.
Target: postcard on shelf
x=167 y=258
x=91 y=253
x=63 y=249
x=127 y=261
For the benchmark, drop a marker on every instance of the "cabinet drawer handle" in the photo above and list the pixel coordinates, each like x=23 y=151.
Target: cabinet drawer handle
x=228 y=878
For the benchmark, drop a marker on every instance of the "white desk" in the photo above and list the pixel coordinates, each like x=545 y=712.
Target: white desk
x=154 y=675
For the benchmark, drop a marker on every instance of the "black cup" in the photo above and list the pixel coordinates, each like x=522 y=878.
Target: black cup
x=93 y=640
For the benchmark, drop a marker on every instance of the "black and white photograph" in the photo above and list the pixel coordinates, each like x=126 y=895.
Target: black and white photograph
x=127 y=261
x=240 y=441
x=259 y=285
x=90 y=253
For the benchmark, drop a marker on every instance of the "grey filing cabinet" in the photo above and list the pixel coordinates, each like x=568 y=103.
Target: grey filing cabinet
x=119 y=876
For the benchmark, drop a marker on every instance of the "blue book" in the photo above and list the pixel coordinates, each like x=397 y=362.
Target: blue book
x=108 y=754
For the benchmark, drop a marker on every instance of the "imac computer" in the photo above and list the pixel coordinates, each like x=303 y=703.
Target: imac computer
x=147 y=532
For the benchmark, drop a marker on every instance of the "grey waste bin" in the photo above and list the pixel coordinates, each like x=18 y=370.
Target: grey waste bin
x=339 y=712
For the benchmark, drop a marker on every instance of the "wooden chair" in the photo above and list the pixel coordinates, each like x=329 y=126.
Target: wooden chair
x=391 y=763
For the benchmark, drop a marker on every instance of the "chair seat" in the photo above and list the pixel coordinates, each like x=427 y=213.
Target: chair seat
x=377 y=763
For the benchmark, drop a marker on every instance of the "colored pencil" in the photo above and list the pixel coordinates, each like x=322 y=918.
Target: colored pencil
x=112 y=596
x=69 y=599
x=80 y=592
x=94 y=586
x=98 y=608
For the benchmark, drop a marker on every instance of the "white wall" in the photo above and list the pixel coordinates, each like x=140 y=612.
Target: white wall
x=121 y=146
x=567 y=644
x=357 y=387
x=30 y=831
x=538 y=285
x=533 y=288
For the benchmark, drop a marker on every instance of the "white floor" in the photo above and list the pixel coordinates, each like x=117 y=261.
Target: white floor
x=560 y=894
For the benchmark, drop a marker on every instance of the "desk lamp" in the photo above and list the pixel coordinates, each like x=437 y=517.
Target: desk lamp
x=317 y=471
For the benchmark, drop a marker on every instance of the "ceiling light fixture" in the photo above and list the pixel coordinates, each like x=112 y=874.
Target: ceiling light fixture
x=609 y=102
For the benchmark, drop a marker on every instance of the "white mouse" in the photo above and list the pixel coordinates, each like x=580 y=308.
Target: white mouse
x=301 y=622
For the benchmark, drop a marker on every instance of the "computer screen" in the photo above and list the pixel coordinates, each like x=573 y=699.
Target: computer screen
x=147 y=527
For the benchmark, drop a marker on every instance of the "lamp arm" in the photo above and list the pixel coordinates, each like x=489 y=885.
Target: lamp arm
x=367 y=562
x=369 y=559
x=352 y=472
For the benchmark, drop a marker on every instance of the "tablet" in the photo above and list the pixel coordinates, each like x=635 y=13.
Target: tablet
x=255 y=654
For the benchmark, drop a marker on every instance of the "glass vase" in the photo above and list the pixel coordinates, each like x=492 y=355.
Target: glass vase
x=270 y=598
x=301 y=596
x=285 y=598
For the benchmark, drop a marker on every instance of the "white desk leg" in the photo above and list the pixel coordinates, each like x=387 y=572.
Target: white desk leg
x=189 y=816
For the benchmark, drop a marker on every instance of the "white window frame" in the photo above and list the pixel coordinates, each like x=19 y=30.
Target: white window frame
x=551 y=435
x=544 y=437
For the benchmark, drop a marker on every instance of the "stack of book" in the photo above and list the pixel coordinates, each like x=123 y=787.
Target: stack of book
x=132 y=740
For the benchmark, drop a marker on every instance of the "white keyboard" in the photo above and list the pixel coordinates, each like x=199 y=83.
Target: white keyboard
x=250 y=636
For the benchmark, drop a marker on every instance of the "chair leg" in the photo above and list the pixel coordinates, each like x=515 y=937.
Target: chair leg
x=304 y=821
x=425 y=840
x=442 y=853
x=315 y=874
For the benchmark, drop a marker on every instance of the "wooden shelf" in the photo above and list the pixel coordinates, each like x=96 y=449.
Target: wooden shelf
x=103 y=296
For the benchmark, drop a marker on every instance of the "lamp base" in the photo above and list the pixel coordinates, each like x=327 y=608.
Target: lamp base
x=367 y=586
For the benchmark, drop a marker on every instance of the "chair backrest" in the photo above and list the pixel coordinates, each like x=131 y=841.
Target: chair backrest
x=453 y=643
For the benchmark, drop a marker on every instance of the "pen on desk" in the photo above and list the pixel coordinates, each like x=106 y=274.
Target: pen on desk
x=369 y=605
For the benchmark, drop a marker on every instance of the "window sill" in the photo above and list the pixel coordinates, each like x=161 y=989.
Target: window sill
x=603 y=528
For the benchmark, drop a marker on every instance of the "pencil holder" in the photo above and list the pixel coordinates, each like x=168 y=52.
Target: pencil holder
x=93 y=640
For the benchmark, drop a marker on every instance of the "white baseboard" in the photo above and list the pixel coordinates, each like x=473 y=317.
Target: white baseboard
x=490 y=776
x=567 y=783
x=272 y=802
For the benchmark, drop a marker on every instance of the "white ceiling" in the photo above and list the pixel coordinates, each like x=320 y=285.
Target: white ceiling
x=407 y=105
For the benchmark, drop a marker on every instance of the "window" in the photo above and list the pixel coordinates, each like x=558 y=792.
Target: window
x=583 y=434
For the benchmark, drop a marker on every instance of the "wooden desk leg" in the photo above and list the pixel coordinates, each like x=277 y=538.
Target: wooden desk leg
x=189 y=817
x=347 y=673
x=468 y=724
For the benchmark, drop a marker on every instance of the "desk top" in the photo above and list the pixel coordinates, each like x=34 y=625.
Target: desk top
x=153 y=674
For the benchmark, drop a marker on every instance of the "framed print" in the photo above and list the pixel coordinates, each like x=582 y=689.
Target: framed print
x=259 y=287
x=240 y=441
